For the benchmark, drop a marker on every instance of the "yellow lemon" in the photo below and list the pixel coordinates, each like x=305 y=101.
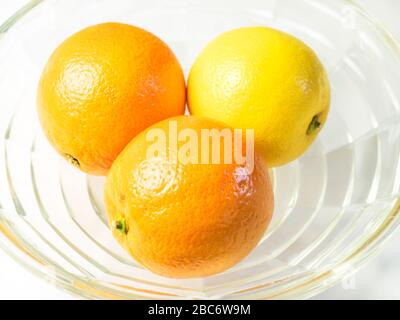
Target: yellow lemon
x=262 y=79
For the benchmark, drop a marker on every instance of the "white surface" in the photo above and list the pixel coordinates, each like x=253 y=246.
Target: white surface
x=15 y=281
x=380 y=279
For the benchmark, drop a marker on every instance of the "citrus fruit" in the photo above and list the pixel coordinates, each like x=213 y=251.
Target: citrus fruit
x=267 y=80
x=186 y=219
x=104 y=85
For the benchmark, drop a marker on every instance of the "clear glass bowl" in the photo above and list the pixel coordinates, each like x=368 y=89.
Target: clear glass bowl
x=335 y=207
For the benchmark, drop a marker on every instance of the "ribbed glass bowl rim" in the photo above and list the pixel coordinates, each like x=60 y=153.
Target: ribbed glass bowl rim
x=308 y=287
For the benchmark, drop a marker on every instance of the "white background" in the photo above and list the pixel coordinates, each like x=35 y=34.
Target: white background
x=379 y=279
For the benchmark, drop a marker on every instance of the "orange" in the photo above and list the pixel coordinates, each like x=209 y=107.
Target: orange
x=184 y=219
x=103 y=86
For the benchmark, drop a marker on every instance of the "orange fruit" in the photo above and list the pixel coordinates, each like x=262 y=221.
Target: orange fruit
x=103 y=86
x=184 y=219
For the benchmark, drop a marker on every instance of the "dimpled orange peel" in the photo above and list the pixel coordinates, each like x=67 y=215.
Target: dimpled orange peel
x=104 y=85
x=182 y=219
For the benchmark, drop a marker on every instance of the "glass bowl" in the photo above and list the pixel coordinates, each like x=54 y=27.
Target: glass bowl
x=335 y=206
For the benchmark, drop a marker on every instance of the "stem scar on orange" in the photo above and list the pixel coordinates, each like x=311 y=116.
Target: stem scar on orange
x=104 y=85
